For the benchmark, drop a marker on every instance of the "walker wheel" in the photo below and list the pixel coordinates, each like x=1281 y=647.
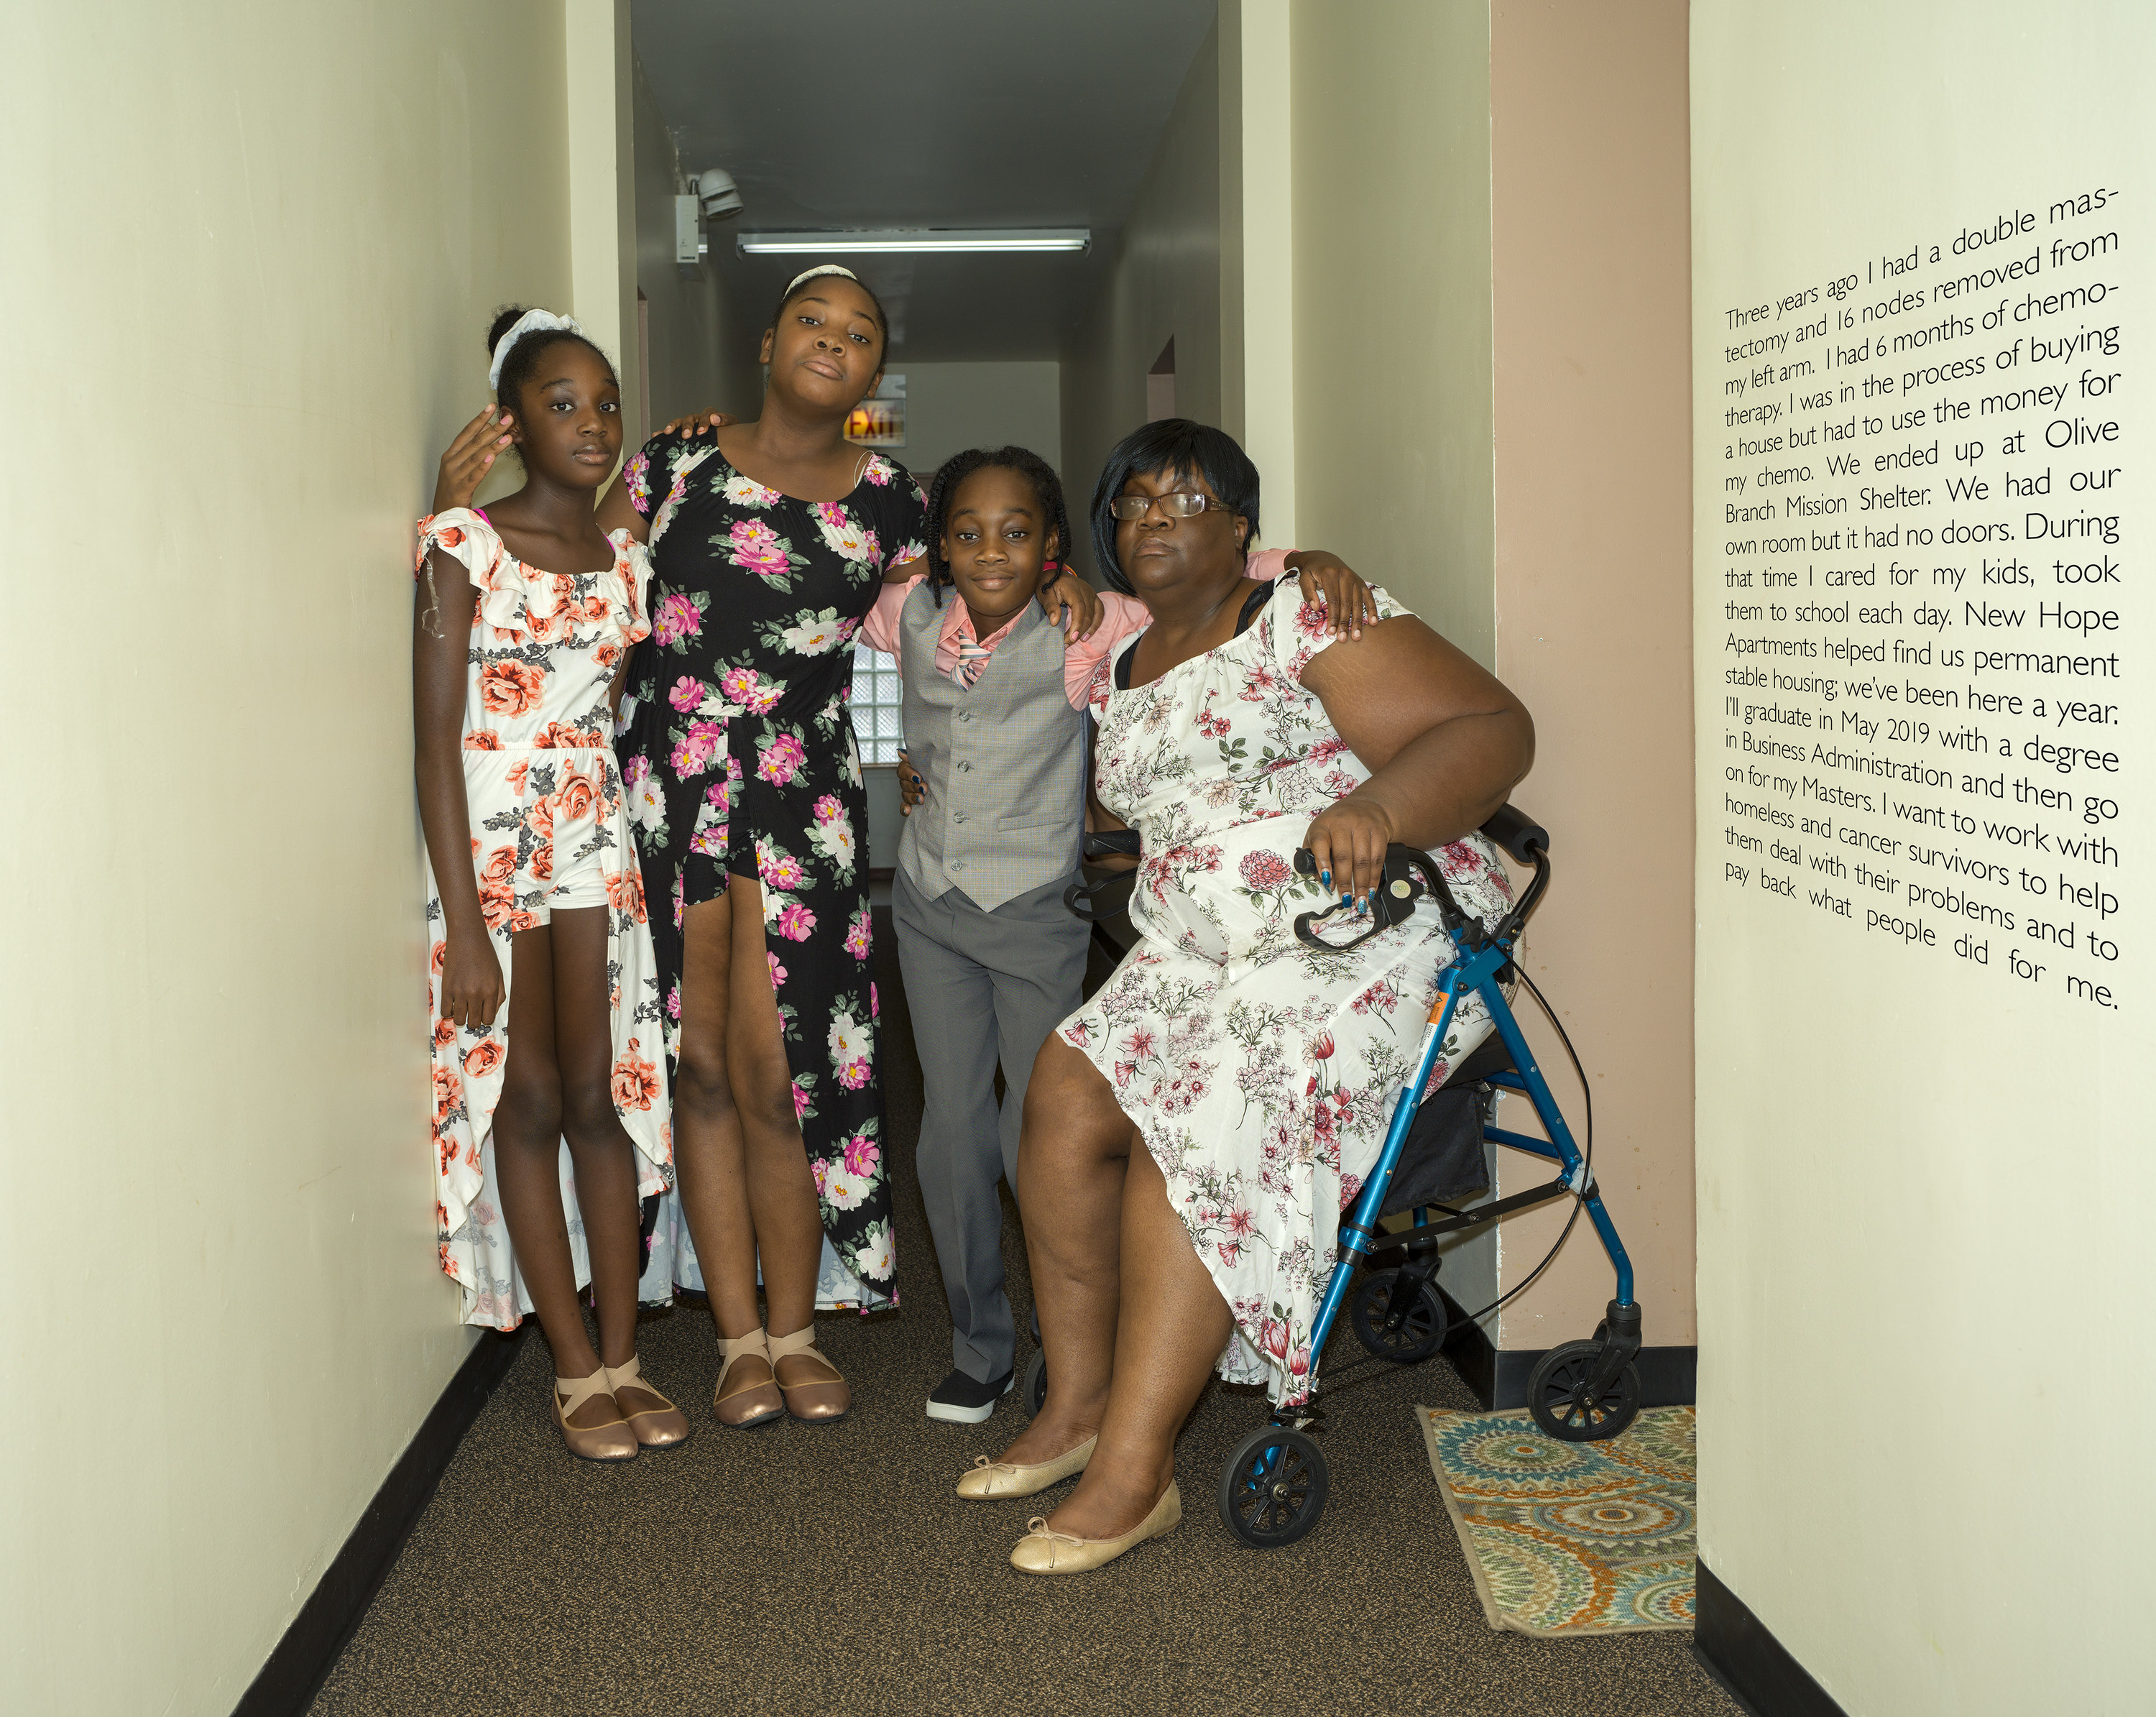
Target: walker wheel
x=1412 y=1330
x=1033 y=1383
x=1557 y=1397
x=1273 y=1488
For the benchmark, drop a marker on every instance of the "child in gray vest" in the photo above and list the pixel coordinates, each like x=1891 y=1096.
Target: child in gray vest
x=992 y=960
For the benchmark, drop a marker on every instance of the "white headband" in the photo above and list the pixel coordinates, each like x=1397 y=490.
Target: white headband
x=532 y=321
x=828 y=268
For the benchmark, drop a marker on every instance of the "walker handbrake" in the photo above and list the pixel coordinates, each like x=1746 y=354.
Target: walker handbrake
x=1410 y=874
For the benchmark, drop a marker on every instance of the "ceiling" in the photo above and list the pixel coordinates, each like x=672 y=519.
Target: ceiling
x=915 y=113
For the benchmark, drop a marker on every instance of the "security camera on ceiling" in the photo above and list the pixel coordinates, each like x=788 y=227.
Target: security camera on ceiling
x=720 y=196
x=715 y=197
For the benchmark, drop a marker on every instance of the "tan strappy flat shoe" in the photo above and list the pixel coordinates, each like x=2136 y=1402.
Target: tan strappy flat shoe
x=598 y=1442
x=745 y=1404
x=823 y=1402
x=665 y=1427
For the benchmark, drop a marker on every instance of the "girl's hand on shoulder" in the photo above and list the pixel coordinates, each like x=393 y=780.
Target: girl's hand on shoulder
x=911 y=788
x=1069 y=591
x=698 y=422
x=1348 y=840
x=469 y=457
x=472 y=990
x=1349 y=606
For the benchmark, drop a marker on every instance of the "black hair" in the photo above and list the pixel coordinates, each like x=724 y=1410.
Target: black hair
x=1188 y=449
x=808 y=284
x=1047 y=488
x=523 y=359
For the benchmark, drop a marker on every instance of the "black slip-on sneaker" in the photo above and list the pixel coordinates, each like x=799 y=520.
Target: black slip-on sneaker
x=967 y=1400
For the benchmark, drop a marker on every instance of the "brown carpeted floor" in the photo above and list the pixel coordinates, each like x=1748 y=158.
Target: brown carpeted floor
x=791 y=1568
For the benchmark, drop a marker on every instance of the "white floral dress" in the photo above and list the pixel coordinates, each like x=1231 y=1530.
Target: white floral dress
x=545 y=804
x=1262 y=1073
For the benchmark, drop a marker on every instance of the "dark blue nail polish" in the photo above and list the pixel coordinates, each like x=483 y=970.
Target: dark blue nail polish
x=1325 y=879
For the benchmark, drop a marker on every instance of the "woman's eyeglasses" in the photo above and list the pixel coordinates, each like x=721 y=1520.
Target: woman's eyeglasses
x=1177 y=504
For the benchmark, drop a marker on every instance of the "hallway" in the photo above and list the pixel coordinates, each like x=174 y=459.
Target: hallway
x=1473 y=284
x=798 y=1570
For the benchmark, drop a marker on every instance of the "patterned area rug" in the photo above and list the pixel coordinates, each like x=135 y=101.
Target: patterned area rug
x=1571 y=1538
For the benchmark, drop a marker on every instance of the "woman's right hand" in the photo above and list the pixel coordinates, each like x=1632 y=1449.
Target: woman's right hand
x=698 y=422
x=472 y=990
x=469 y=457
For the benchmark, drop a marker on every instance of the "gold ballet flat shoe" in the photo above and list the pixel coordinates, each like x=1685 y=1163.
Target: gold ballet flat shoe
x=745 y=1404
x=598 y=1442
x=823 y=1402
x=1041 y=1551
x=665 y=1427
x=992 y=1481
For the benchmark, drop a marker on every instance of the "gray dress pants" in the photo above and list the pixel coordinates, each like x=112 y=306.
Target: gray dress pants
x=982 y=987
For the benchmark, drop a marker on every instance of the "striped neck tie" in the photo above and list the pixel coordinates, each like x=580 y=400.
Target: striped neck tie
x=972 y=657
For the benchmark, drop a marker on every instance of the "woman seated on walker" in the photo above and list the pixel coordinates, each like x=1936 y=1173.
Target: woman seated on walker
x=1192 y=1132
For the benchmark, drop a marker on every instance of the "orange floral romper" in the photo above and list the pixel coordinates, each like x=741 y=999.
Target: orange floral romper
x=550 y=828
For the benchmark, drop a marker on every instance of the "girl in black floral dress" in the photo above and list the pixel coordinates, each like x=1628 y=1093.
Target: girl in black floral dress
x=769 y=541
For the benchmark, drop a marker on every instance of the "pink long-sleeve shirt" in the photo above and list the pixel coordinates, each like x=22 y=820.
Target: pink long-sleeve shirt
x=1122 y=616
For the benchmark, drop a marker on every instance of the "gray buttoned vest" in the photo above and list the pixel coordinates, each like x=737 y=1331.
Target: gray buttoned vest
x=1004 y=762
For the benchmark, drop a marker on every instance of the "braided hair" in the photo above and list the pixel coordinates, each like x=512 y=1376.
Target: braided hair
x=1047 y=489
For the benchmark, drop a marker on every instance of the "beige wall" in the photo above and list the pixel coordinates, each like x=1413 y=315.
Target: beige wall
x=1165 y=282
x=1508 y=450
x=1259 y=215
x=950 y=407
x=1392 y=292
x=703 y=346
x=1925 y=1296
x=600 y=104
x=251 y=252
x=1590 y=199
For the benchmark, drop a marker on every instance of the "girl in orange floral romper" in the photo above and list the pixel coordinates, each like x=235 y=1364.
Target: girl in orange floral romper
x=544 y=994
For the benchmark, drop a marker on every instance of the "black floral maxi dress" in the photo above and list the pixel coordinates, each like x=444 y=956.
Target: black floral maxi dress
x=739 y=758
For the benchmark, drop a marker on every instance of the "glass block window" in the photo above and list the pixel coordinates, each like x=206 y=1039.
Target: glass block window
x=878 y=699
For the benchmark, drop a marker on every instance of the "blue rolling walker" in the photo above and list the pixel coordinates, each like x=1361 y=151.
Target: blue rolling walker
x=1273 y=1485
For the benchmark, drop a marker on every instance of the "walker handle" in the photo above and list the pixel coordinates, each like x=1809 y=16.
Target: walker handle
x=1517 y=833
x=1525 y=842
x=1111 y=843
x=1085 y=900
x=1409 y=873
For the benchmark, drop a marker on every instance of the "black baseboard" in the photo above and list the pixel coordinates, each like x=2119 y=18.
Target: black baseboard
x=1669 y=1376
x=1750 y=1663
x=288 y=1680
x=1474 y=1356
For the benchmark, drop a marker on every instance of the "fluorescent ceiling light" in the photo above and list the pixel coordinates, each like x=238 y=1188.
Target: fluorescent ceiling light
x=899 y=241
